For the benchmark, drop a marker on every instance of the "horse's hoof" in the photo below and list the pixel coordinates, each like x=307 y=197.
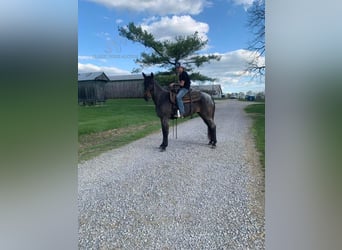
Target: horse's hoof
x=162 y=149
x=212 y=144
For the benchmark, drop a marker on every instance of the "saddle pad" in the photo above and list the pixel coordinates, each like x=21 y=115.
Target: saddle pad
x=195 y=96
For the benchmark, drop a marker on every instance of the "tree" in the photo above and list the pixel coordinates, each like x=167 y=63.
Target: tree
x=166 y=77
x=256 y=23
x=166 y=54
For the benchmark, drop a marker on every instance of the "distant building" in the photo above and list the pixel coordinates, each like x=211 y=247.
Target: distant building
x=96 y=87
x=233 y=96
x=260 y=96
x=91 y=87
x=250 y=98
x=241 y=95
x=125 y=86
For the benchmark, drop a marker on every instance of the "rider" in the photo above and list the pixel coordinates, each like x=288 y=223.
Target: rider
x=184 y=83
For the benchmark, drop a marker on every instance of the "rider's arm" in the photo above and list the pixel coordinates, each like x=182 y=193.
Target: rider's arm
x=174 y=84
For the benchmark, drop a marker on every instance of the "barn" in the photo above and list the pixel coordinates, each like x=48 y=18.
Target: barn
x=125 y=86
x=214 y=89
x=91 y=87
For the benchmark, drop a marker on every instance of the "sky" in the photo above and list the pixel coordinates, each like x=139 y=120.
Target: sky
x=222 y=22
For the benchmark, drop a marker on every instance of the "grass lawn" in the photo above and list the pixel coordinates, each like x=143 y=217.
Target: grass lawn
x=113 y=124
x=257 y=112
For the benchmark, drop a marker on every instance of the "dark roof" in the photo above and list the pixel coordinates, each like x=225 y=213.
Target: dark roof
x=91 y=76
x=126 y=77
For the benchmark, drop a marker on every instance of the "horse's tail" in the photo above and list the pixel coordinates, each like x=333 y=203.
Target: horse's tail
x=210 y=136
x=214 y=106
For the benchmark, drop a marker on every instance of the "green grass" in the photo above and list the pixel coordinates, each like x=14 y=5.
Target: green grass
x=257 y=112
x=113 y=124
x=115 y=113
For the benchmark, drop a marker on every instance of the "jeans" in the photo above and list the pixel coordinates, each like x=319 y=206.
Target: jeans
x=182 y=92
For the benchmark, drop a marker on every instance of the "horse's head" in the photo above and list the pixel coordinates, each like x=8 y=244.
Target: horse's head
x=148 y=86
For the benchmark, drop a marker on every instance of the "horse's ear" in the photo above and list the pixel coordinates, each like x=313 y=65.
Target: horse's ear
x=143 y=74
x=152 y=75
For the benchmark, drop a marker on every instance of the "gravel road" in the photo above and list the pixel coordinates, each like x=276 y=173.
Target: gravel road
x=188 y=197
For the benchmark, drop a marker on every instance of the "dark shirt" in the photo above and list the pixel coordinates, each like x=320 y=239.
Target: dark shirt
x=185 y=77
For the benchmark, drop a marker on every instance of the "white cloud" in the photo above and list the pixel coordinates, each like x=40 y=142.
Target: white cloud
x=246 y=3
x=160 y=7
x=83 y=68
x=167 y=28
x=104 y=35
x=231 y=73
x=231 y=63
x=118 y=21
x=85 y=57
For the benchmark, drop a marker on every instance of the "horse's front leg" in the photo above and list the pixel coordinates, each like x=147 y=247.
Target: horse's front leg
x=165 y=130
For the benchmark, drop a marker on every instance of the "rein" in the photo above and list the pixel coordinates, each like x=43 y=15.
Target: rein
x=173 y=128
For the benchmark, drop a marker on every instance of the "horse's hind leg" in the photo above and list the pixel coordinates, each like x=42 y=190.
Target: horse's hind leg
x=212 y=132
x=211 y=129
x=213 y=140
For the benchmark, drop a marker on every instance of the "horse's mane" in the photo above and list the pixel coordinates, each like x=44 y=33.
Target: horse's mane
x=163 y=88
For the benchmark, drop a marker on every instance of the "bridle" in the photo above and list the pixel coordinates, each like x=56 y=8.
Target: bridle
x=149 y=89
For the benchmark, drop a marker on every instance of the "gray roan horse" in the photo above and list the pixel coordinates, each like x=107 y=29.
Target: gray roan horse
x=205 y=107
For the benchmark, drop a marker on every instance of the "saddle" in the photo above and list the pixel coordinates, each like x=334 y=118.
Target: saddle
x=191 y=96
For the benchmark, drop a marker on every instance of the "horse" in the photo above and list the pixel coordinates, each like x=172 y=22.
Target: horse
x=205 y=108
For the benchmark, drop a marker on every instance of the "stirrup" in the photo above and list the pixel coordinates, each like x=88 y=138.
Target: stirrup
x=178 y=114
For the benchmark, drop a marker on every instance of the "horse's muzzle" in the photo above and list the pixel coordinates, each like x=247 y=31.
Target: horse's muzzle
x=147 y=95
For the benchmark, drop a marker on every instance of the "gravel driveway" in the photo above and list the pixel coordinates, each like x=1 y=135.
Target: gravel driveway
x=188 y=197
